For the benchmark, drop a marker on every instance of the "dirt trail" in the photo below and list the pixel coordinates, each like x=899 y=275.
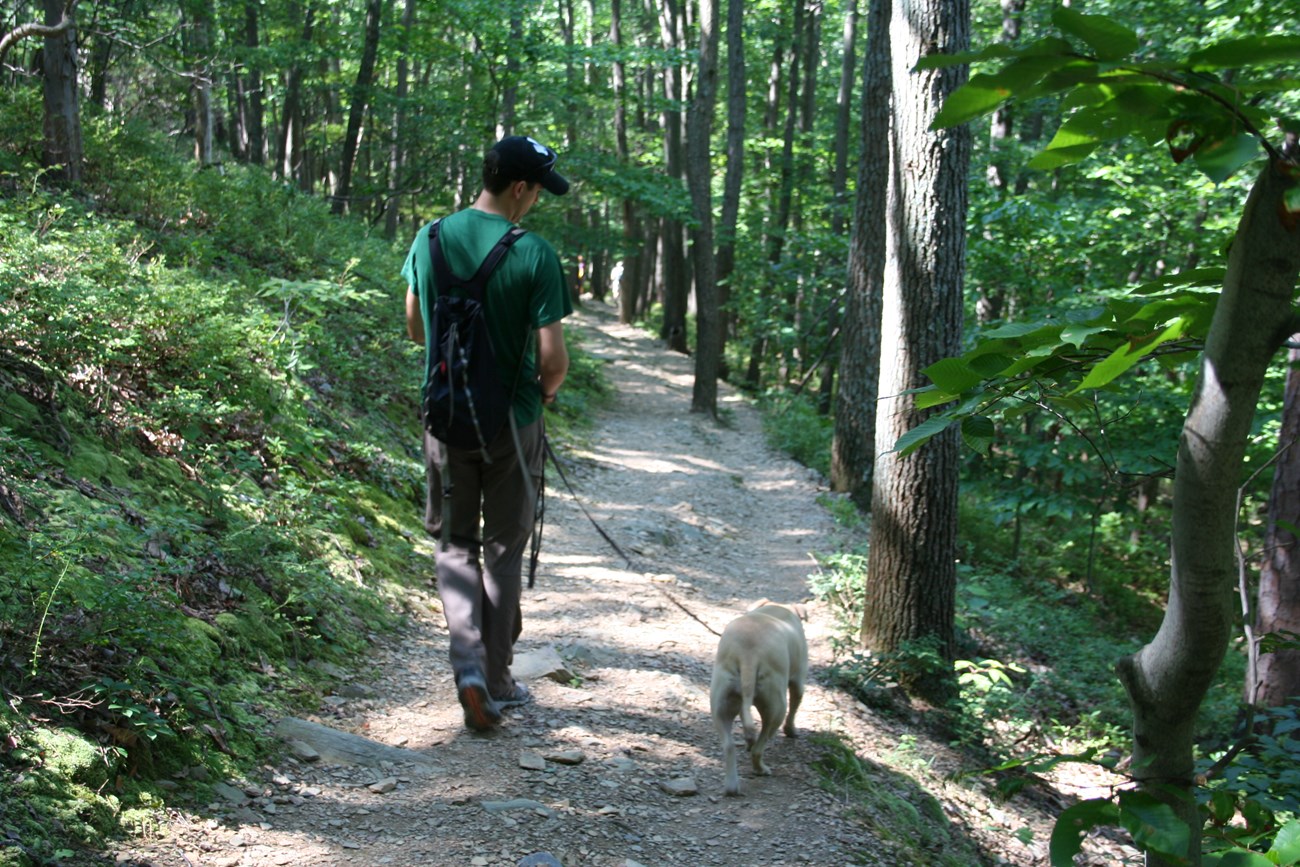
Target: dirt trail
x=617 y=766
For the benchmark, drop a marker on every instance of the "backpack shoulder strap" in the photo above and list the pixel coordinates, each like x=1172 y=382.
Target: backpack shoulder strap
x=445 y=280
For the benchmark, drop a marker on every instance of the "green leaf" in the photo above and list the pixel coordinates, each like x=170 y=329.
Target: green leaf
x=1251 y=51
x=968 y=102
x=943 y=61
x=930 y=397
x=1154 y=824
x=978 y=432
x=1237 y=858
x=1127 y=355
x=1210 y=277
x=1108 y=39
x=1223 y=806
x=1219 y=159
x=1076 y=335
x=952 y=375
x=1286 y=845
x=922 y=433
x=1074 y=823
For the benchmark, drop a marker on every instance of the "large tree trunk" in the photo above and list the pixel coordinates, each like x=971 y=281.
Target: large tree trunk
x=699 y=139
x=197 y=17
x=360 y=103
x=1168 y=678
x=289 y=154
x=674 y=285
x=911 y=572
x=255 y=122
x=730 y=218
x=1277 y=677
x=396 y=151
x=634 y=258
x=843 y=115
x=853 y=449
x=62 y=111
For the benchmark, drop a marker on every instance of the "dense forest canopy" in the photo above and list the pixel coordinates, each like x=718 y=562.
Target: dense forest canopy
x=746 y=175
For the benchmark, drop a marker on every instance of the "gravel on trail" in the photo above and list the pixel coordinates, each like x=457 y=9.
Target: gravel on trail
x=615 y=762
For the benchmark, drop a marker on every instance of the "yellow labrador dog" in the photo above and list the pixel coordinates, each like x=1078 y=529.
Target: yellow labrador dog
x=761 y=654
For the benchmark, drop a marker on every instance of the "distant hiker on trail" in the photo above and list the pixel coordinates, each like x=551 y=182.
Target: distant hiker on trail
x=480 y=498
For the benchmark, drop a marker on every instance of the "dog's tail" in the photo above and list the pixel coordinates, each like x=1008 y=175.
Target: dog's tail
x=748 y=680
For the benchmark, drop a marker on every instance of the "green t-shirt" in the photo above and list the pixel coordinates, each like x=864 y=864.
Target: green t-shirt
x=525 y=292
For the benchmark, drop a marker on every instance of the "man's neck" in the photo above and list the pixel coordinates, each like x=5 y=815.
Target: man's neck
x=499 y=205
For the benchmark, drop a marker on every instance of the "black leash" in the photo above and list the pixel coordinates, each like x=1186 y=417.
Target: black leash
x=541 y=514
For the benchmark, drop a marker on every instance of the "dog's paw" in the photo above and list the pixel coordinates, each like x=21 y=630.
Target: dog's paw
x=790 y=732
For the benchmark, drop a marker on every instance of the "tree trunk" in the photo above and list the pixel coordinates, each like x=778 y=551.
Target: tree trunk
x=853 y=449
x=62 y=111
x=736 y=95
x=1000 y=129
x=911 y=571
x=197 y=17
x=288 y=154
x=396 y=151
x=1278 y=608
x=673 y=264
x=360 y=102
x=699 y=139
x=843 y=115
x=633 y=244
x=255 y=125
x=1168 y=678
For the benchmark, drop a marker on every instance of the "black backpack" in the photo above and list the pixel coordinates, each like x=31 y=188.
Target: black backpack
x=465 y=403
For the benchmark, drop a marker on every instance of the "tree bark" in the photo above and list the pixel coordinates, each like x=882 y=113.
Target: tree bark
x=197 y=17
x=633 y=245
x=255 y=123
x=360 y=102
x=62 y=126
x=853 y=449
x=674 y=285
x=911 y=571
x=843 y=115
x=699 y=139
x=1168 y=678
x=396 y=147
x=730 y=217
x=1278 y=606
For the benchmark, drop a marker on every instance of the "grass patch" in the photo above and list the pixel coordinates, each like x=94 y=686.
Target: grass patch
x=906 y=820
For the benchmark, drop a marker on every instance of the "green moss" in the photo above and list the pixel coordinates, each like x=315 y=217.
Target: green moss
x=72 y=755
x=198 y=650
x=251 y=631
x=89 y=460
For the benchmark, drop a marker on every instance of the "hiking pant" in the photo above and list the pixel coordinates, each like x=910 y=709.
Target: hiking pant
x=482 y=513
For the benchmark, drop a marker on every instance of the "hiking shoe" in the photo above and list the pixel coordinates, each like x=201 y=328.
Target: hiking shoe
x=481 y=712
x=520 y=695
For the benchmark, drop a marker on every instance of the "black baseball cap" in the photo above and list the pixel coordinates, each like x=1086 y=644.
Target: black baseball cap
x=522 y=158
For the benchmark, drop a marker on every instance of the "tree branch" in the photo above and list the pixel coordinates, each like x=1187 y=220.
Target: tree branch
x=33 y=29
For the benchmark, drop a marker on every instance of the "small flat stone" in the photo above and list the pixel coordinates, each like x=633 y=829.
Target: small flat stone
x=531 y=761
x=565 y=757
x=513 y=804
x=384 y=786
x=681 y=786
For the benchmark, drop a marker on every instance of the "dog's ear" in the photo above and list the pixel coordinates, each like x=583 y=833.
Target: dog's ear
x=800 y=609
x=760 y=603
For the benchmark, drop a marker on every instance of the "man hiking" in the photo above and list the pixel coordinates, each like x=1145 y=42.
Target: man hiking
x=480 y=500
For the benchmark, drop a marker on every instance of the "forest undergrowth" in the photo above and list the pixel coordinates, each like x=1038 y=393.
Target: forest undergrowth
x=208 y=492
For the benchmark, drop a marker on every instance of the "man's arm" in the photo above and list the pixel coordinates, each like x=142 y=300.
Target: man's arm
x=552 y=358
x=415 y=321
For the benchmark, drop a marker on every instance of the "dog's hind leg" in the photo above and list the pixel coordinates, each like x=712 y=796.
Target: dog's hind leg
x=796 y=697
x=772 y=713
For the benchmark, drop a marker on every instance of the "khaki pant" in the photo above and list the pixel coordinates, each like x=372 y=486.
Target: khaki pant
x=482 y=513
